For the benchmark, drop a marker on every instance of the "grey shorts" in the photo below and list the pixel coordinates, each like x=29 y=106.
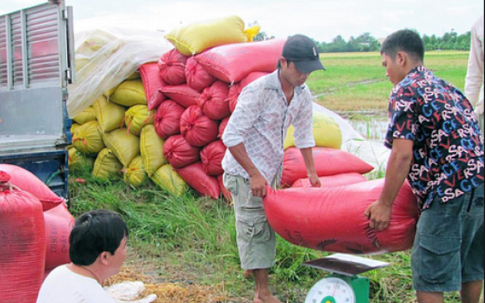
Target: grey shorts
x=448 y=247
x=256 y=240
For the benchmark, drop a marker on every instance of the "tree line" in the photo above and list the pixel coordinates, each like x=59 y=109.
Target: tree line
x=367 y=43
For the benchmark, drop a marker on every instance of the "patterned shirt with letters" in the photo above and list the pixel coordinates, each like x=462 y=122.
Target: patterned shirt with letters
x=260 y=121
x=448 y=147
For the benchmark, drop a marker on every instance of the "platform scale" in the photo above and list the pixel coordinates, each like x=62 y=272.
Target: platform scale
x=343 y=285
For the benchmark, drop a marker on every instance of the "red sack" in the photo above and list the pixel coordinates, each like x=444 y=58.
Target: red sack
x=197 y=77
x=213 y=101
x=22 y=244
x=233 y=94
x=58 y=225
x=333 y=180
x=152 y=83
x=232 y=62
x=211 y=157
x=197 y=128
x=172 y=67
x=332 y=218
x=328 y=161
x=167 y=119
x=182 y=94
x=227 y=194
x=179 y=153
x=29 y=182
x=222 y=127
x=196 y=178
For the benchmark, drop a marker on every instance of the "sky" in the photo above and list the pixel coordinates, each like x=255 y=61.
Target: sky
x=321 y=20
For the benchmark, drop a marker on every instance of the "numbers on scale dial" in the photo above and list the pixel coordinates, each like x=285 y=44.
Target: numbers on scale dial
x=331 y=290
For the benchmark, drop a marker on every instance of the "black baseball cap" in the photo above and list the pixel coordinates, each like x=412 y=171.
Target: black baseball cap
x=303 y=52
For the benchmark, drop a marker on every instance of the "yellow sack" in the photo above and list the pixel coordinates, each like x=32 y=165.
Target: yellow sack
x=109 y=114
x=136 y=117
x=78 y=161
x=74 y=128
x=87 y=115
x=168 y=180
x=123 y=144
x=106 y=166
x=151 y=148
x=195 y=38
x=134 y=76
x=87 y=138
x=135 y=174
x=110 y=91
x=326 y=132
x=129 y=93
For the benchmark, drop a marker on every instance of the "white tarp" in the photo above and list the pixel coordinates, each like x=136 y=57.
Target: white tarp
x=105 y=58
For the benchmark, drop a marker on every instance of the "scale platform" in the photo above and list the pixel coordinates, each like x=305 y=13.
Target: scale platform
x=343 y=285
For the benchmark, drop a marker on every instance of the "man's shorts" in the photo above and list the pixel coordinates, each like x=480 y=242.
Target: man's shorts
x=448 y=247
x=256 y=240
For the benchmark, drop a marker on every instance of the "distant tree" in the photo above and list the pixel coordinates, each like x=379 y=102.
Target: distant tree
x=261 y=36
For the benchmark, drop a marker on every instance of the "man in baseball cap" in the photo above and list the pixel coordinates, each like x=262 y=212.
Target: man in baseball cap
x=303 y=52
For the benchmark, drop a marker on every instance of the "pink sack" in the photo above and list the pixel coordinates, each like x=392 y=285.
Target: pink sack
x=227 y=194
x=29 y=182
x=197 y=77
x=152 y=84
x=211 y=157
x=333 y=180
x=233 y=94
x=328 y=161
x=182 y=94
x=58 y=225
x=197 y=128
x=213 y=101
x=179 y=153
x=196 y=178
x=232 y=62
x=222 y=127
x=167 y=119
x=172 y=67
x=332 y=218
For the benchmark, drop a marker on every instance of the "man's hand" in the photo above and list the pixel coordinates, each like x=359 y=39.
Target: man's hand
x=315 y=181
x=379 y=215
x=258 y=185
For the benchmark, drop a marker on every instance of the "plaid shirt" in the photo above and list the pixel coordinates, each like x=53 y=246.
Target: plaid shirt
x=260 y=121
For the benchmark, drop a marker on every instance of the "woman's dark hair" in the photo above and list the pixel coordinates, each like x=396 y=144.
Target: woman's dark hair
x=95 y=232
x=404 y=41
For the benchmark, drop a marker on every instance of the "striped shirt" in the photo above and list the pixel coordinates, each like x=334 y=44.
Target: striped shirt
x=260 y=121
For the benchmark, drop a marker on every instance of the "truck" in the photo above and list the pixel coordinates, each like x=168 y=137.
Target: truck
x=36 y=66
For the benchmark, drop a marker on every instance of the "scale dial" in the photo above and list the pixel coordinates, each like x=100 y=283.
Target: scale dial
x=331 y=290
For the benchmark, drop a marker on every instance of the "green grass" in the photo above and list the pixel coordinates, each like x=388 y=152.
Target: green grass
x=193 y=239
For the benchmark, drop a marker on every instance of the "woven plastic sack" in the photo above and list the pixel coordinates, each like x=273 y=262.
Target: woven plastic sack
x=197 y=37
x=231 y=63
x=169 y=180
x=87 y=138
x=108 y=114
x=179 y=153
x=333 y=180
x=152 y=83
x=332 y=218
x=129 y=93
x=222 y=127
x=326 y=132
x=151 y=149
x=172 y=67
x=85 y=116
x=236 y=88
x=197 y=77
x=197 y=128
x=58 y=225
x=213 y=101
x=135 y=174
x=328 y=161
x=167 y=118
x=225 y=193
x=27 y=181
x=182 y=94
x=201 y=182
x=136 y=117
x=106 y=166
x=211 y=158
x=22 y=248
x=123 y=144
x=78 y=161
